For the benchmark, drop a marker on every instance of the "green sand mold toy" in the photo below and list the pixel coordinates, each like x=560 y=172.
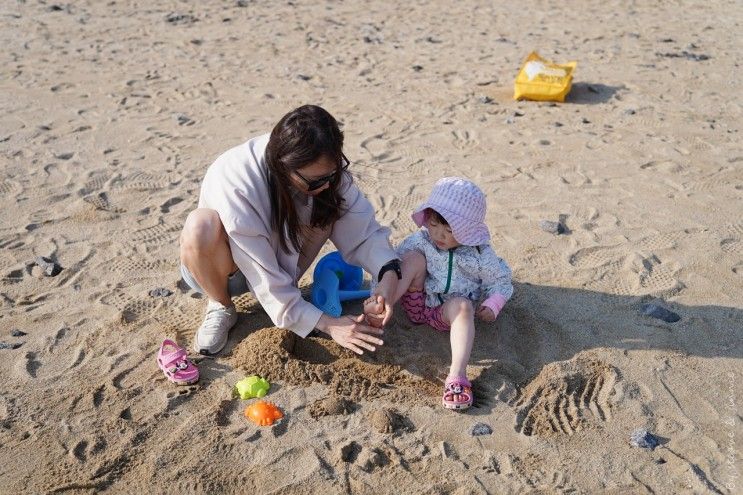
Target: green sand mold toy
x=252 y=387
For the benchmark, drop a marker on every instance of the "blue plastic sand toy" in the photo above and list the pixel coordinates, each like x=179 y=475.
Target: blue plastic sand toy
x=335 y=281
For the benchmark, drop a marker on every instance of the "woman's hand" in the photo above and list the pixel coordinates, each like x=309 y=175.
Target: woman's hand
x=351 y=332
x=485 y=313
x=386 y=288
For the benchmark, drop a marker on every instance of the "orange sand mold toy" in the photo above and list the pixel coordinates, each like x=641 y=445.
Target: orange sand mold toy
x=263 y=413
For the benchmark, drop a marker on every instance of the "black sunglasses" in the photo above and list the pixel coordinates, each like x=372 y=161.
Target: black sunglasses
x=315 y=184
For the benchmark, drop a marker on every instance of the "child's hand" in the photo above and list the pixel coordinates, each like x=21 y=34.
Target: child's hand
x=485 y=313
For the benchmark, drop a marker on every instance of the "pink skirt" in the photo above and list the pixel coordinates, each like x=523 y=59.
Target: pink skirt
x=414 y=304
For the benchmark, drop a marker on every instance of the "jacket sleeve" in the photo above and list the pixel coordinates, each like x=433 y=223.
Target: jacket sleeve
x=495 y=275
x=358 y=236
x=237 y=197
x=271 y=285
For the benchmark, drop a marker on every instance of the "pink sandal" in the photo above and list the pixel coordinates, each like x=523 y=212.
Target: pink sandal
x=173 y=361
x=457 y=386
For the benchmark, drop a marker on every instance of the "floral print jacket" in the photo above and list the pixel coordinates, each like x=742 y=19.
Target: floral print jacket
x=474 y=272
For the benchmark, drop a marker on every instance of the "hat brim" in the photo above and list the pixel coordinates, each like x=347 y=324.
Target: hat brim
x=465 y=231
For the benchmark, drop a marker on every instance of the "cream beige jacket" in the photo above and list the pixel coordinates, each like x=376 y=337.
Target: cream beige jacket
x=235 y=186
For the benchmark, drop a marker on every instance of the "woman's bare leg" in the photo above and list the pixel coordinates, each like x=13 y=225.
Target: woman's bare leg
x=205 y=251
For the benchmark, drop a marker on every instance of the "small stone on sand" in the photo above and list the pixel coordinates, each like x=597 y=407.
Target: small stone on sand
x=644 y=439
x=696 y=57
x=660 y=313
x=174 y=18
x=14 y=345
x=50 y=268
x=552 y=227
x=161 y=292
x=479 y=429
x=183 y=119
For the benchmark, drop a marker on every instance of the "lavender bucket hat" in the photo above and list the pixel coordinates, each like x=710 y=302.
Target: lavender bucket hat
x=462 y=204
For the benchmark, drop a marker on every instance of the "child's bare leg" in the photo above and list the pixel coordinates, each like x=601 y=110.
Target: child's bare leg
x=413 y=273
x=413 y=269
x=461 y=315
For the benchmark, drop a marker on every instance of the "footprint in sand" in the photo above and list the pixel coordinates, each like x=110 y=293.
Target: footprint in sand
x=724 y=180
x=665 y=166
x=464 y=139
x=32 y=365
x=596 y=257
x=97 y=180
x=98 y=396
x=101 y=201
x=79 y=358
x=223 y=411
x=418 y=151
x=145 y=181
x=157 y=235
x=730 y=238
x=731 y=246
x=177 y=399
x=132 y=309
x=566 y=397
x=134 y=267
x=10 y=188
x=666 y=240
x=181 y=319
x=78 y=451
x=165 y=207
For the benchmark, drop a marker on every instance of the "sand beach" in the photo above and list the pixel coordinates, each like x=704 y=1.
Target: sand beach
x=111 y=112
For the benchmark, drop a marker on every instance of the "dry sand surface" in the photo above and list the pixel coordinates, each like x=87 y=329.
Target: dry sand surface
x=111 y=112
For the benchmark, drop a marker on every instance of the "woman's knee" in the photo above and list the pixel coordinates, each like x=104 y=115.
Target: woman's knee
x=202 y=231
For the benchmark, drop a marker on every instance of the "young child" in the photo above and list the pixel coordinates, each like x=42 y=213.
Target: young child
x=450 y=274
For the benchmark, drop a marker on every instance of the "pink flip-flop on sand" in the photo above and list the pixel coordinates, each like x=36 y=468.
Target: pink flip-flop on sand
x=173 y=361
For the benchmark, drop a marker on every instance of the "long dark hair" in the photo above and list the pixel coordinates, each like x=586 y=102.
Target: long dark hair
x=301 y=137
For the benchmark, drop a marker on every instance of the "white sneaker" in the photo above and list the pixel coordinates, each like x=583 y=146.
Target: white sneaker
x=211 y=336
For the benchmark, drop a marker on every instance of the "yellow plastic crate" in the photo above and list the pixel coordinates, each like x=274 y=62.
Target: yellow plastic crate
x=542 y=80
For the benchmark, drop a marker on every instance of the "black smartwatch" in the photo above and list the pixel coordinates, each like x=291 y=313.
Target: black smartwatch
x=390 y=265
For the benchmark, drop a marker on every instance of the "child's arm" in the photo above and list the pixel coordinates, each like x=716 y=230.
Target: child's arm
x=497 y=287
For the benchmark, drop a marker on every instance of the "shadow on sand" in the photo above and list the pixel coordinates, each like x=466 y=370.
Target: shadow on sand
x=591 y=93
x=541 y=325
